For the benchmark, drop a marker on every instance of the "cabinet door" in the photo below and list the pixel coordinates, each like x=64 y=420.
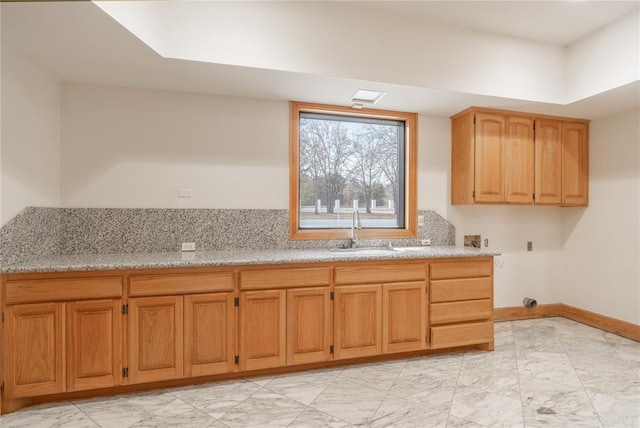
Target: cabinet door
x=94 y=344
x=575 y=163
x=155 y=338
x=357 y=321
x=404 y=321
x=209 y=340
x=34 y=350
x=308 y=325
x=548 y=162
x=519 y=160
x=490 y=138
x=262 y=329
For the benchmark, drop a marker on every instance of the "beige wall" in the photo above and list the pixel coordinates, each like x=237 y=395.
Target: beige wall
x=30 y=150
x=135 y=148
x=601 y=244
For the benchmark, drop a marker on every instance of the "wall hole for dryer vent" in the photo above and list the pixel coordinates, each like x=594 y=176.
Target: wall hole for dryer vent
x=529 y=302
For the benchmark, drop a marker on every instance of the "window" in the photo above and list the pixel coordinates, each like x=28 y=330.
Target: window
x=342 y=160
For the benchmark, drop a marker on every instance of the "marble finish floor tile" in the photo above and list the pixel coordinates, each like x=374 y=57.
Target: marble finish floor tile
x=349 y=401
x=550 y=372
x=63 y=414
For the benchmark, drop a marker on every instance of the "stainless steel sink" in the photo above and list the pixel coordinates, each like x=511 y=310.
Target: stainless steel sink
x=410 y=249
x=363 y=250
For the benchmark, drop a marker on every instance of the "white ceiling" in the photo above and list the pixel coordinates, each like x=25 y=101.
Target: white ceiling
x=80 y=43
x=557 y=22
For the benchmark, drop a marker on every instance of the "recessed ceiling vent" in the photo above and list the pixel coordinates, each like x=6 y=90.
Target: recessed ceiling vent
x=363 y=97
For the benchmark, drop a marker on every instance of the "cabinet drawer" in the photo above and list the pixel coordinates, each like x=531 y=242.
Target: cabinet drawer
x=62 y=289
x=448 y=290
x=374 y=274
x=470 y=269
x=448 y=336
x=284 y=278
x=444 y=313
x=156 y=285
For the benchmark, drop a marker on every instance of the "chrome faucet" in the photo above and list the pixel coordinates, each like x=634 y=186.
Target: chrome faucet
x=355 y=225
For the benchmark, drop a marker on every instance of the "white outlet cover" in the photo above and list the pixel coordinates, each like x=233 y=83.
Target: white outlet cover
x=420 y=220
x=188 y=246
x=185 y=193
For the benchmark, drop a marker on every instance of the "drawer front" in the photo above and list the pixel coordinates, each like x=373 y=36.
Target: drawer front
x=284 y=278
x=375 y=274
x=444 y=313
x=157 y=285
x=449 y=290
x=464 y=269
x=448 y=336
x=62 y=289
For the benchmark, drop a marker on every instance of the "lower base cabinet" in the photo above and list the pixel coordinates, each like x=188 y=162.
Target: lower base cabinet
x=62 y=347
x=404 y=317
x=34 y=350
x=155 y=338
x=171 y=337
x=357 y=321
x=461 y=304
x=284 y=327
x=206 y=323
x=209 y=334
x=308 y=325
x=262 y=329
x=94 y=344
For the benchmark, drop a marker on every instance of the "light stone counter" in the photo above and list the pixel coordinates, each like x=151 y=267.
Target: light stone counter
x=91 y=262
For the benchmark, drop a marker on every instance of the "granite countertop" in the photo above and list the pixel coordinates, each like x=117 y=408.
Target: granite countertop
x=90 y=262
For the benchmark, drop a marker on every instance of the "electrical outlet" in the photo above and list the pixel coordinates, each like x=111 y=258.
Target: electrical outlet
x=188 y=246
x=425 y=242
x=529 y=245
x=185 y=193
x=486 y=243
x=420 y=220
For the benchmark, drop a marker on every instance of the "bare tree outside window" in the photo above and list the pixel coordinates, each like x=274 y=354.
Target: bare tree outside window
x=348 y=163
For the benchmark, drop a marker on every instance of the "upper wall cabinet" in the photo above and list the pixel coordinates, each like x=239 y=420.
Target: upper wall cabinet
x=502 y=157
x=575 y=163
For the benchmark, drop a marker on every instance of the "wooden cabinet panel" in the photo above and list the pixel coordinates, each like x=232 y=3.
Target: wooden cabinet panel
x=462 y=159
x=548 y=162
x=519 y=160
x=450 y=312
x=378 y=273
x=357 y=321
x=157 y=285
x=490 y=135
x=447 y=290
x=62 y=289
x=284 y=278
x=404 y=321
x=575 y=163
x=155 y=338
x=448 y=336
x=470 y=269
x=308 y=325
x=262 y=329
x=94 y=344
x=209 y=333
x=34 y=350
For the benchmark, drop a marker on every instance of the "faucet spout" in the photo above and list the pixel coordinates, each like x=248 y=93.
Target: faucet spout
x=355 y=225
